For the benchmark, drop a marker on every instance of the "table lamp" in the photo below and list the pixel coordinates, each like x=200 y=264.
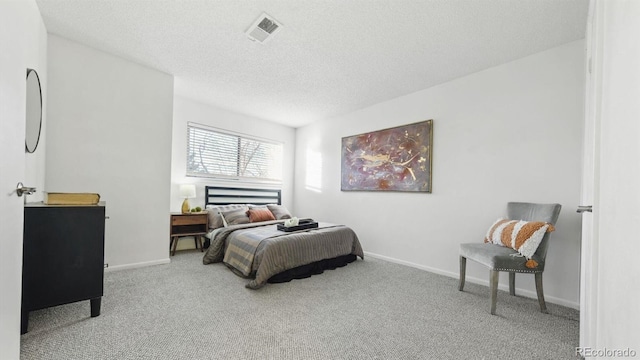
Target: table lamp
x=187 y=191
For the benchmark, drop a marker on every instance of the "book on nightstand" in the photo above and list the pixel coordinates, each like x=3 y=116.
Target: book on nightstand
x=57 y=198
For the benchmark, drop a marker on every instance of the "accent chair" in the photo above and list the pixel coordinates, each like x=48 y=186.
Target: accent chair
x=502 y=258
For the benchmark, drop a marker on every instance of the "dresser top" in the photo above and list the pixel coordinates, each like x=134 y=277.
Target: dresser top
x=42 y=204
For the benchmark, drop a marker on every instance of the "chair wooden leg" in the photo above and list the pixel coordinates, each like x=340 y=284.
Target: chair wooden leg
x=463 y=270
x=493 y=283
x=512 y=284
x=543 y=305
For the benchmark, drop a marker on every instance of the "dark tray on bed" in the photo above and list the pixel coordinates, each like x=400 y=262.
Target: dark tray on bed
x=303 y=224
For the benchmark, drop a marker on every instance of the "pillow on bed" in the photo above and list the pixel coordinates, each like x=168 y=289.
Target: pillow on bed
x=258 y=214
x=522 y=236
x=215 y=219
x=235 y=217
x=279 y=211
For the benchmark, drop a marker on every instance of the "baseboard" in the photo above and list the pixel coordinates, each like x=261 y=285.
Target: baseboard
x=137 y=265
x=471 y=279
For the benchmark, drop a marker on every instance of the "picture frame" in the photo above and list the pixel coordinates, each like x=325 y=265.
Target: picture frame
x=393 y=159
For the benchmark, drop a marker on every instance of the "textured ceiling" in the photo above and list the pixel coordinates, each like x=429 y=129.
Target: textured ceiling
x=329 y=58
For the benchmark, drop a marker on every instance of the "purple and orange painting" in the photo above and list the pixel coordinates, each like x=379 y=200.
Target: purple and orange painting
x=395 y=159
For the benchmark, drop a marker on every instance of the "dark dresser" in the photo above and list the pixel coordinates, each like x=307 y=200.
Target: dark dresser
x=63 y=257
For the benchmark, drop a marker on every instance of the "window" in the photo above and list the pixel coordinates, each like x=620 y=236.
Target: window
x=216 y=153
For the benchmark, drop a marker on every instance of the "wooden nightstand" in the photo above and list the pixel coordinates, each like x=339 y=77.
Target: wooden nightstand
x=196 y=225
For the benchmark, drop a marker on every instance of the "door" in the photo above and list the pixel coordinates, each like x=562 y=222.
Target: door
x=12 y=170
x=611 y=289
x=590 y=167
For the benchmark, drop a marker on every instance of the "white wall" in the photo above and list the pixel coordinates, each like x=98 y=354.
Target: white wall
x=109 y=132
x=616 y=207
x=23 y=40
x=188 y=110
x=509 y=133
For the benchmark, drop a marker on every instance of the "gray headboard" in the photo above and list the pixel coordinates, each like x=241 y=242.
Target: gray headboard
x=220 y=195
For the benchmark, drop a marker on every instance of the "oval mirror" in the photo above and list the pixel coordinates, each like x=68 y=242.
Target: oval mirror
x=34 y=111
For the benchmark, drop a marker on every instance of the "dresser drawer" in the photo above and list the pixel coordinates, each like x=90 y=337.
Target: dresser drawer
x=189 y=219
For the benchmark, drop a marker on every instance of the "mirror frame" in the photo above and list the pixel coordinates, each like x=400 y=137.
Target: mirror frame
x=28 y=135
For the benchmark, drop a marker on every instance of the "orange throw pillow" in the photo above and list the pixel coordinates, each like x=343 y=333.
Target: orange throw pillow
x=260 y=214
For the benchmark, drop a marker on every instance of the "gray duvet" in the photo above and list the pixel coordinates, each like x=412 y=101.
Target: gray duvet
x=259 y=250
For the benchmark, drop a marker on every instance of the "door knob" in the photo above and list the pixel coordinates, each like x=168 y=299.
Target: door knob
x=21 y=189
x=584 y=208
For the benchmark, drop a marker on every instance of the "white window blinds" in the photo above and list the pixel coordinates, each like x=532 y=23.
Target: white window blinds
x=211 y=152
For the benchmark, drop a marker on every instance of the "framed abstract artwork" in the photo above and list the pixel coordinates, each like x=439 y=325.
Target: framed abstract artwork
x=395 y=159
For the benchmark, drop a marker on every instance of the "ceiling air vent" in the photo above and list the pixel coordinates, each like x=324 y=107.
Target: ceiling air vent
x=263 y=29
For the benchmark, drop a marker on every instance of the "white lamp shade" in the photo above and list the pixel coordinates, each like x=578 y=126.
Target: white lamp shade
x=187 y=191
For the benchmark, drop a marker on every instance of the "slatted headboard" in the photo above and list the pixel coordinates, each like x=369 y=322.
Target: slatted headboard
x=220 y=195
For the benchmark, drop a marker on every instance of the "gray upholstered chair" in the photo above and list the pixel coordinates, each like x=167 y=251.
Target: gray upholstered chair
x=499 y=258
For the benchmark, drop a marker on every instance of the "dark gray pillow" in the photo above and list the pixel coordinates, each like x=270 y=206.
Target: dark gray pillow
x=279 y=211
x=215 y=219
x=235 y=217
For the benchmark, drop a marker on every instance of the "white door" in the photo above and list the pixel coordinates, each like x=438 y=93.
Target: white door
x=590 y=167
x=612 y=291
x=12 y=170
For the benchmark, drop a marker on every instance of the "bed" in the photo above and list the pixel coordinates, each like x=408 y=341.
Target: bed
x=245 y=237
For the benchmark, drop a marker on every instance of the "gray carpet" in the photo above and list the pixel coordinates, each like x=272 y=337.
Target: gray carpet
x=369 y=309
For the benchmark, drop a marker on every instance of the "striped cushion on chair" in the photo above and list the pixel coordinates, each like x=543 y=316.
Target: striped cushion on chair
x=522 y=236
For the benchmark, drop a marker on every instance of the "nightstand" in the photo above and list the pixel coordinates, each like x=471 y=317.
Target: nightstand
x=190 y=224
